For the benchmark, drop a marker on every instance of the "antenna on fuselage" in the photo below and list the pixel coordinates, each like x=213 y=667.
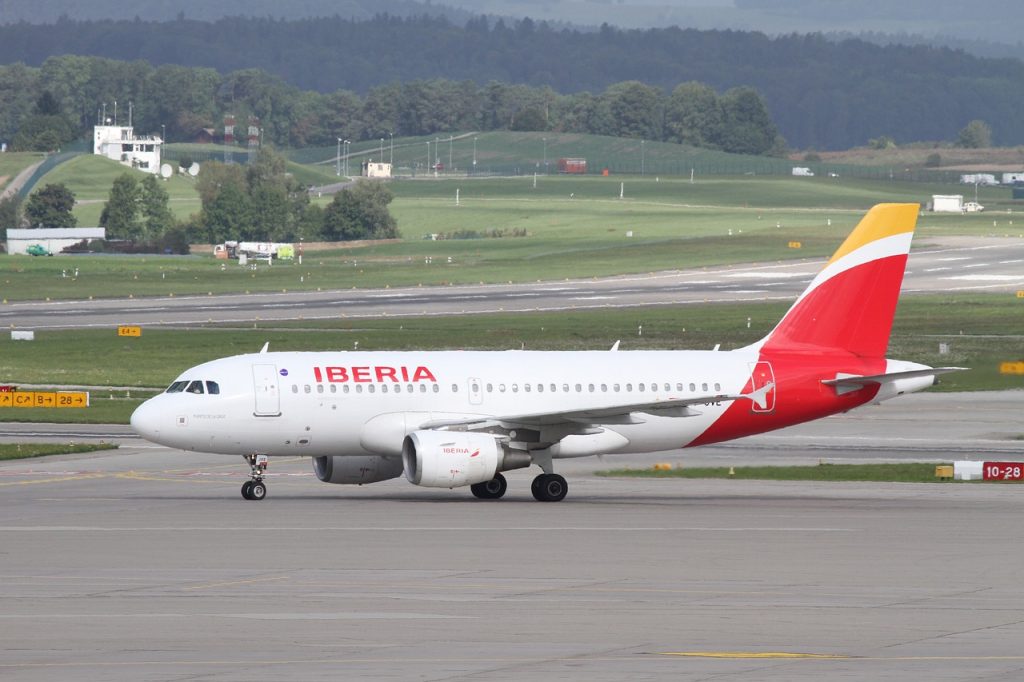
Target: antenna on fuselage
x=265 y=347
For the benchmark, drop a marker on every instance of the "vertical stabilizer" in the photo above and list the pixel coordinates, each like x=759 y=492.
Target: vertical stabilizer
x=850 y=304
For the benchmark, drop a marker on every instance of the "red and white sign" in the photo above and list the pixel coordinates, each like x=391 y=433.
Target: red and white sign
x=1003 y=471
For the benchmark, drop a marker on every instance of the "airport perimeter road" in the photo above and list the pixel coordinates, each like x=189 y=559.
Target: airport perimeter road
x=145 y=564
x=954 y=264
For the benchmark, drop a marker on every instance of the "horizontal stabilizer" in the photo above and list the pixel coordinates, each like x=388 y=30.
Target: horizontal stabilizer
x=845 y=383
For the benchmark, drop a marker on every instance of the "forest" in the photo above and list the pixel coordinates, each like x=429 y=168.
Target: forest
x=821 y=94
x=45 y=108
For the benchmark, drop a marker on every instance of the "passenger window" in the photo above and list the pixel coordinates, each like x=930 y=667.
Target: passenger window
x=384 y=388
x=654 y=388
x=526 y=387
x=579 y=388
x=590 y=387
x=616 y=388
x=490 y=388
x=334 y=388
x=345 y=388
x=679 y=387
x=704 y=387
x=629 y=388
x=177 y=387
x=213 y=388
x=668 y=387
x=455 y=388
x=307 y=389
x=515 y=388
x=371 y=388
x=295 y=388
x=718 y=387
x=423 y=388
x=641 y=387
x=501 y=387
x=604 y=388
x=693 y=388
x=565 y=388
x=359 y=388
x=319 y=388
x=408 y=388
x=540 y=388
x=195 y=387
x=437 y=389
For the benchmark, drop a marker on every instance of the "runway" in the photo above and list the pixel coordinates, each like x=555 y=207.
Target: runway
x=145 y=564
x=950 y=264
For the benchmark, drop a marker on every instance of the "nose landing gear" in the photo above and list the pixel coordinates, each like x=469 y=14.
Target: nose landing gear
x=255 y=488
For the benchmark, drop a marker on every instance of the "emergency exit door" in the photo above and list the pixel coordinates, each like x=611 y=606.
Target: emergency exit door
x=265 y=387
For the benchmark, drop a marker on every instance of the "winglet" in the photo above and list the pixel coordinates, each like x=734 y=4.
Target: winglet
x=266 y=347
x=615 y=346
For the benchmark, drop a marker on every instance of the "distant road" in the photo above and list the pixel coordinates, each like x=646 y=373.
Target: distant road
x=954 y=264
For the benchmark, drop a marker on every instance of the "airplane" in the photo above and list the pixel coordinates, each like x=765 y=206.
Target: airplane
x=448 y=419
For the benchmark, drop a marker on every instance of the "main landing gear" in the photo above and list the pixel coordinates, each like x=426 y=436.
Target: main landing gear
x=255 y=488
x=549 y=488
x=490 y=490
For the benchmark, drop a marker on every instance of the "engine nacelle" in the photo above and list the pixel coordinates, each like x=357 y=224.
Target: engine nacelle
x=448 y=459
x=357 y=470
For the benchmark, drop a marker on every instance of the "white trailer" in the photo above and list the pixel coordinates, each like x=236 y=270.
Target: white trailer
x=948 y=203
x=803 y=172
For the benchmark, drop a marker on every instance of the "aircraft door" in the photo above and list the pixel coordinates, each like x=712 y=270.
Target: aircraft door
x=265 y=387
x=761 y=375
x=476 y=391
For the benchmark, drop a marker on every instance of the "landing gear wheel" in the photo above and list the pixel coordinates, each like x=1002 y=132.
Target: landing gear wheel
x=258 y=490
x=490 y=490
x=255 y=488
x=549 y=488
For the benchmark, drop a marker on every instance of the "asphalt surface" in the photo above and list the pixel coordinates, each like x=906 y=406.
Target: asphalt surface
x=145 y=564
x=952 y=264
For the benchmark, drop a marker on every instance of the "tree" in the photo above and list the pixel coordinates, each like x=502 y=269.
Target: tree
x=10 y=212
x=227 y=216
x=51 y=206
x=975 y=135
x=636 y=110
x=694 y=115
x=360 y=213
x=121 y=212
x=748 y=127
x=155 y=210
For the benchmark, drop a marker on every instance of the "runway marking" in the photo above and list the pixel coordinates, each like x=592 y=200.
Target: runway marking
x=422 y=529
x=232 y=583
x=988 y=278
x=59 y=479
x=750 y=654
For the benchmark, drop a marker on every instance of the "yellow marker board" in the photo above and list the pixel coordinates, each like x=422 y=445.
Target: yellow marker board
x=72 y=399
x=1011 y=368
x=129 y=331
x=59 y=399
x=1020 y=294
x=795 y=245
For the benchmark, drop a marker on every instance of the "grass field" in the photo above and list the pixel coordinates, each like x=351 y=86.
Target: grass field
x=12 y=163
x=993 y=333
x=29 y=450
x=575 y=227
x=913 y=472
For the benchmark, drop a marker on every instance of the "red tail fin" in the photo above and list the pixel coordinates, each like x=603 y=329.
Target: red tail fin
x=850 y=304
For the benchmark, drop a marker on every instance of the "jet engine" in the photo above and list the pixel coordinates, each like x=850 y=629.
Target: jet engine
x=357 y=470
x=449 y=459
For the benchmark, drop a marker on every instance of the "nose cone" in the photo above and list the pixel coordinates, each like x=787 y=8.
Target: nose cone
x=147 y=420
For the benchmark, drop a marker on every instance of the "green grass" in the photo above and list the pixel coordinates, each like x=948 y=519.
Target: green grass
x=674 y=225
x=12 y=163
x=29 y=450
x=879 y=473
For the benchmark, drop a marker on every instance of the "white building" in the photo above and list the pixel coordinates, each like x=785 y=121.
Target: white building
x=948 y=203
x=54 y=240
x=376 y=170
x=1012 y=178
x=120 y=144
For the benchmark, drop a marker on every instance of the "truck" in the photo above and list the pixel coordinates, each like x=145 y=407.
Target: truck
x=803 y=172
x=572 y=166
x=234 y=249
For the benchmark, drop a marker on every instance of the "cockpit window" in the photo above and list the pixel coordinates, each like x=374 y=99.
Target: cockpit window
x=195 y=387
x=213 y=388
x=177 y=387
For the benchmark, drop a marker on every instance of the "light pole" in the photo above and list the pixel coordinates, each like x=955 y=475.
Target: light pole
x=337 y=159
x=391 y=159
x=427 y=168
x=163 y=141
x=642 y=157
x=545 y=155
x=450 y=139
x=348 y=147
x=381 y=157
x=474 y=152
x=437 y=152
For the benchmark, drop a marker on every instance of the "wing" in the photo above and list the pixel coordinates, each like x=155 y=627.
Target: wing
x=623 y=413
